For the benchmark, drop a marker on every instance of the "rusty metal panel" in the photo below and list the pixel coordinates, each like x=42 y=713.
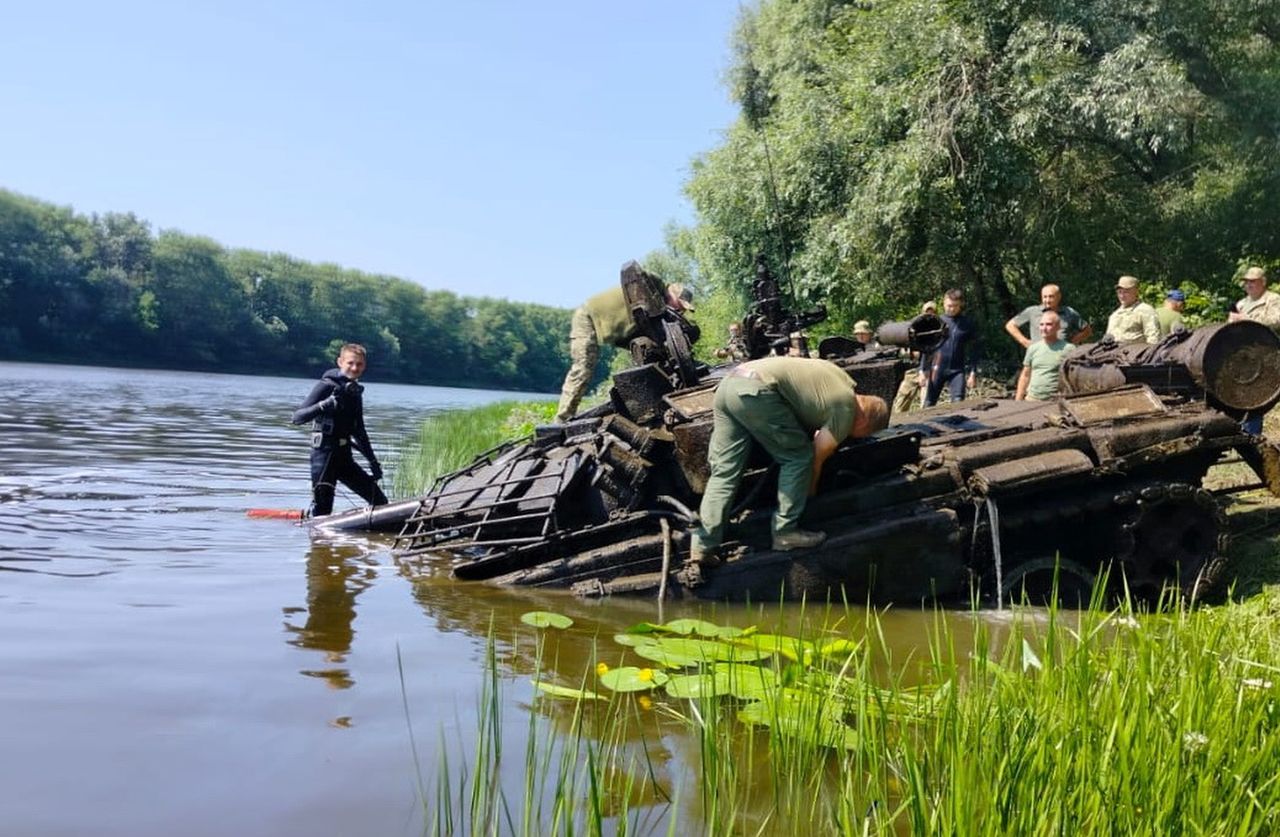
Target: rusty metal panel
x=1028 y=474
x=692 y=403
x=1122 y=403
x=692 y=441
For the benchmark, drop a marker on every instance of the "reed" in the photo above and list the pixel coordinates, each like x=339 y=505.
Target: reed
x=452 y=438
x=1045 y=722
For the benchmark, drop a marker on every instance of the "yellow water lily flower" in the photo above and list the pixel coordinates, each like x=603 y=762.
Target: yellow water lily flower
x=646 y=674
x=645 y=702
x=602 y=669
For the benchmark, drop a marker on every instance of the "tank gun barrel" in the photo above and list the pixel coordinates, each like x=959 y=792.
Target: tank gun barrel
x=1237 y=364
x=923 y=333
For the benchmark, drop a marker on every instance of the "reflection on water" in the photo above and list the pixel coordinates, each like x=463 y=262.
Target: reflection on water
x=336 y=574
x=159 y=687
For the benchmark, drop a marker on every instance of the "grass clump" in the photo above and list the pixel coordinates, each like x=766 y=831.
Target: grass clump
x=451 y=439
x=1049 y=722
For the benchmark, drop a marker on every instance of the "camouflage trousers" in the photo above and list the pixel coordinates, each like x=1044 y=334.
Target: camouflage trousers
x=908 y=390
x=584 y=352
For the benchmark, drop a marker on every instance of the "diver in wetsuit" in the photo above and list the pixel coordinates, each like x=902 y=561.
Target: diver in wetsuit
x=335 y=409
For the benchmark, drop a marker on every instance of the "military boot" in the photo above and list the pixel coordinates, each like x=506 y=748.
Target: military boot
x=701 y=554
x=796 y=539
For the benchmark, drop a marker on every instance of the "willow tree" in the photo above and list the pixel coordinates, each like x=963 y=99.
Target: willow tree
x=888 y=149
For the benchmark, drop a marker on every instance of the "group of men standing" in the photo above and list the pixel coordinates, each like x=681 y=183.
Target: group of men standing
x=797 y=408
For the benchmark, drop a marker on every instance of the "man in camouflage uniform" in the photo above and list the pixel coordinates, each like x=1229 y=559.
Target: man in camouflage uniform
x=736 y=348
x=1262 y=306
x=799 y=410
x=604 y=319
x=863 y=333
x=1134 y=321
x=909 y=389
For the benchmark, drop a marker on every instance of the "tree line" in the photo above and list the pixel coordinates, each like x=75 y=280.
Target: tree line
x=104 y=289
x=888 y=149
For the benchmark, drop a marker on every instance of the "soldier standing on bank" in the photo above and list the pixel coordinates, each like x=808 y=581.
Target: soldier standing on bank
x=1134 y=321
x=1262 y=306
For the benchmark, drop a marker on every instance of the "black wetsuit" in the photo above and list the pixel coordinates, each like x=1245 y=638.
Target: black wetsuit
x=337 y=428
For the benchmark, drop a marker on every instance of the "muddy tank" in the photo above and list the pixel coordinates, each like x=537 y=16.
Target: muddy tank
x=990 y=495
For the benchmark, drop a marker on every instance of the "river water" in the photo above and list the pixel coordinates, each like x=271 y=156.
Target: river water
x=170 y=666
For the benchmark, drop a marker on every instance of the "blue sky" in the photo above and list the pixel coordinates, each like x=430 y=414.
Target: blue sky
x=519 y=150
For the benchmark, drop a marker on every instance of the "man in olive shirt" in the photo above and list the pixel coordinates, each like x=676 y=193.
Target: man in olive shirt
x=604 y=319
x=1133 y=321
x=1259 y=305
x=1169 y=315
x=1073 y=326
x=799 y=410
x=1041 y=366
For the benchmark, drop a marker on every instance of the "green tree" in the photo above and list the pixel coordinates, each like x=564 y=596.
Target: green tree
x=888 y=150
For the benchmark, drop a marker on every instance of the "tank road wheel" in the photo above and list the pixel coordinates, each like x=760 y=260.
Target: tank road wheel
x=1033 y=582
x=681 y=352
x=1171 y=534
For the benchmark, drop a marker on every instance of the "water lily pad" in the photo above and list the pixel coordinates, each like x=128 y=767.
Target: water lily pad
x=545 y=619
x=701 y=628
x=793 y=648
x=644 y=628
x=564 y=691
x=803 y=717
x=748 y=682
x=839 y=648
x=679 y=652
x=703 y=685
x=633 y=679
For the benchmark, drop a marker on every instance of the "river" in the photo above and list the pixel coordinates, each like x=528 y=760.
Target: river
x=171 y=666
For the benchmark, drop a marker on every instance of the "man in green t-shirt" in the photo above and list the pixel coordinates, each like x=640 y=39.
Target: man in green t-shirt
x=604 y=319
x=799 y=410
x=1169 y=315
x=1038 y=380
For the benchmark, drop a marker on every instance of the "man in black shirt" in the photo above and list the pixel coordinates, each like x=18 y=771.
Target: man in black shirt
x=953 y=365
x=335 y=408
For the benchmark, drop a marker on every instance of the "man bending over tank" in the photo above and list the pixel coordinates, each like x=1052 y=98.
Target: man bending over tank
x=798 y=409
x=335 y=409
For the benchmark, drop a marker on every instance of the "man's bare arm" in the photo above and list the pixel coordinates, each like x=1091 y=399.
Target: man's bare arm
x=1016 y=334
x=824 y=444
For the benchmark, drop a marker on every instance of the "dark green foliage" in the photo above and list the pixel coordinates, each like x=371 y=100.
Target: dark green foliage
x=889 y=149
x=103 y=289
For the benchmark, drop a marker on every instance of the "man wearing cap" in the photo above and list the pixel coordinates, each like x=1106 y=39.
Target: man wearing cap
x=1134 y=321
x=1169 y=315
x=799 y=410
x=1042 y=363
x=1075 y=328
x=604 y=319
x=863 y=334
x=905 y=399
x=1259 y=304
x=1262 y=306
x=736 y=348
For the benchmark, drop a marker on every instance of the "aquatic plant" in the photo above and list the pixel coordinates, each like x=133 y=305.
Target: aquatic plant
x=449 y=439
x=1043 y=721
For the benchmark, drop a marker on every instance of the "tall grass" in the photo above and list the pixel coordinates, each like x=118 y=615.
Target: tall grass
x=450 y=439
x=1044 y=722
